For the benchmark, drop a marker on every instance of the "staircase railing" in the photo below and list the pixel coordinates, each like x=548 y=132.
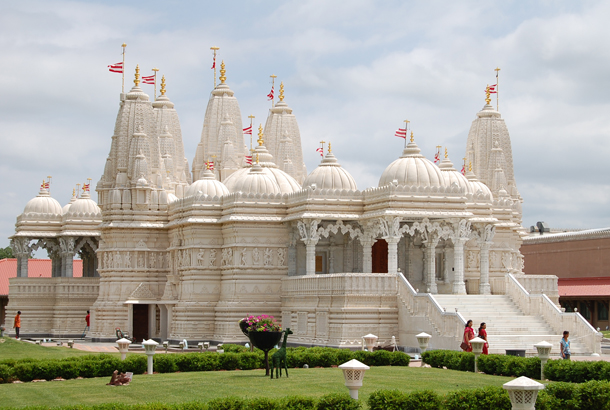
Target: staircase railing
x=540 y=305
x=425 y=314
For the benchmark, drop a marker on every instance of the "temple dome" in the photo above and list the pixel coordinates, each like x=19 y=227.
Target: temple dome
x=85 y=206
x=66 y=207
x=207 y=185
x=42 y=205
x=412 y=169
x=255 y=180
x=478 y=186
x=451 y=176
x=330 y=175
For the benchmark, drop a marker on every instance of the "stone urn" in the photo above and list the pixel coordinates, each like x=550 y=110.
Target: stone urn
x=265 y=341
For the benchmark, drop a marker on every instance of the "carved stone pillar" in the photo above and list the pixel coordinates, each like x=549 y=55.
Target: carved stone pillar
x=459 y=287
x=66 y=245
x=367 y=255
x=348 y=255
x=331 y=256
x=308 y=230
x=21 y=250
x=310 y=262
x=430 y=266
x=484 y=287
x=392 y=253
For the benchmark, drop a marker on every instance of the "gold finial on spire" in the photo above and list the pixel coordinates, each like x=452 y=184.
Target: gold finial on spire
x=163 y=85
x=446 y=155
x=73 y=192
x=281 y=97
x=257 y=158
x=470 y=166
x=329 y=149
x=465 y=159
x=137 y=80
x=487 y=93
x=412 y=140
x=223 y=78
x=260 y=139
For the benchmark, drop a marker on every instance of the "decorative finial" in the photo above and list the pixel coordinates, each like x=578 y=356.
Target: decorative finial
x=281 y=97
x=412 y=137
x=124 y=45
x=260 y=138
x=470 y=166
x=446 y=155
x=465 y=159
x=487 y=93
x=329 y=149
x=137 y=80
x=163 y=85
x=73 y=192
x=257 y=158
x=223 y=78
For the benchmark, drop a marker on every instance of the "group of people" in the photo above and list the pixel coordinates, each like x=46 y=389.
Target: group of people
x=17 y=323
x=469 y=335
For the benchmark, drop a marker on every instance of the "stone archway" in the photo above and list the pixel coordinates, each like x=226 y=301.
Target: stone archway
x=380 y=256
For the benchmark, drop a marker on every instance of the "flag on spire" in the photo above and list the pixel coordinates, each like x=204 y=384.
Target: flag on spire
x=401 y=133
x=437 y=157
x=116 y=68
x=321 y=151
x=86 y=187
x=270 y=95
x=214 y=62
x=44 y=185
x=248 y=130
x=210 y=165
x=148 y=79
x=463 y=171
x=248 y=159
x=492 y=89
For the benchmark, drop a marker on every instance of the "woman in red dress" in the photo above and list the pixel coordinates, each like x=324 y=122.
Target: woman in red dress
x=483 y=335
x=468 y=334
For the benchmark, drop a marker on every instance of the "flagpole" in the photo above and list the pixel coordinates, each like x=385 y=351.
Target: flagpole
x=155 y=70
x=406 y=128
x=251 y=118
x=214 y=48
x=123 y=73
x=497 y=70
x=273 y=77
x=78 y=190
x=322 y=142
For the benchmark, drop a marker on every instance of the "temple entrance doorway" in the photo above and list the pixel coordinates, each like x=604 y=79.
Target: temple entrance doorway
x=380 y=256
x=140 y=322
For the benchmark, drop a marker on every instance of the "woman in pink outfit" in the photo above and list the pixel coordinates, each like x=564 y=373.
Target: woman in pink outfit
x=468 y=335
x=483 y=335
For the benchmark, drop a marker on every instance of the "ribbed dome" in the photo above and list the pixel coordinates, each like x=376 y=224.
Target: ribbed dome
x=85 y=206
x=330 y=175
x=255 y=180
x=42 y=204
x=451 y=175
x=171 y=198
x=207 y=185
x=478 y=186
x=412 y=169
x=66 y=207
x=286 y=183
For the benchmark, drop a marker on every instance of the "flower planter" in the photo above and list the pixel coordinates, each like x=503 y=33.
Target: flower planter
x=265 y=341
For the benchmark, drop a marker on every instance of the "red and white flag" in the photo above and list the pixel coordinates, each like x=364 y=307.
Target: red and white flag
x=86 y=187
x=401 y=133
x=210 y=165
x=437 y=157
x=116 y=68
x=492 y=89
x=44 y=185
x=148 y=79
x=321 y=151
x=270 y=95
x=214 y=63
x=463 y=171
x=248 y=130
x=249 y=159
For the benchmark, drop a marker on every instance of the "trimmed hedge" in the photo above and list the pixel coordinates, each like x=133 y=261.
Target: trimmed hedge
x=565 y=396
x=103 y=365
x=501 y=365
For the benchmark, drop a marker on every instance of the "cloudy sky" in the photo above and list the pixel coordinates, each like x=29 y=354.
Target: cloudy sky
x=352 y=69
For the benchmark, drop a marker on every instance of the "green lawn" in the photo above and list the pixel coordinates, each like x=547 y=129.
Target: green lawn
x=606 y=333
x=15 y=349
x=204 y=386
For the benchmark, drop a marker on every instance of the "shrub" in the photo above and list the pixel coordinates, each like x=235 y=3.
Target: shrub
x=298 y=403
x=232 y=348
x=249 y=361
x=478 y=399
x=135 y=363
x=399 y=359
x=262 y=403
x=228 y=361
x=387 y=400
x=337 y=401
x=227 y=403
x=381 y=358
x=164 y=363
x=6 y=373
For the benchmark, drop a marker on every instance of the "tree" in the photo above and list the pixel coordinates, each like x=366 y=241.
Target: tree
x=6 y=253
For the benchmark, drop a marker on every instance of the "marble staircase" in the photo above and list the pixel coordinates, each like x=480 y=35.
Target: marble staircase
x=507 y=326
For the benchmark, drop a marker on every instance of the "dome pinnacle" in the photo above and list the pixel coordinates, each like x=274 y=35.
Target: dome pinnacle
x=163 y=85
x=446 y=154
x=281 y=97
x=137 y=80
x=329 y=149
x=487 y=95
x=260 y=138
x=412 y=140
x=223 y=78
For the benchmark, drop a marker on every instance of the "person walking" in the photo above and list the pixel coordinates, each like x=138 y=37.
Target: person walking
x=468 y=335
x=17 y=324
x=87 y=321
x=483 y=335
x=565 y=345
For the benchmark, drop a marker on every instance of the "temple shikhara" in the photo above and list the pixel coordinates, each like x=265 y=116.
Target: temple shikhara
x=176 y=251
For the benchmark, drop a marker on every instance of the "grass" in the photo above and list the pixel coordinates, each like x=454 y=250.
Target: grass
x=205 y=386
x=606 y=333
x=15 y=349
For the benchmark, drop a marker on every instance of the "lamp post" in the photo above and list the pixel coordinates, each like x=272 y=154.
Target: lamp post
x=71 y=343
x=150 y=346
x=523 y=392
x=370 y=340
x=353 y=372
x=477 y=348
x=544 y=351
x=123 y=347
x=423 y=339
x=166 y=345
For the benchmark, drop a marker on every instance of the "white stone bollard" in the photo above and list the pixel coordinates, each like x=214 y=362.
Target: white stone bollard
x=423 y=339
x=150 y=347
x=353 y=372
x=200 y=346
x=544 y=351
x=123 y=347
x=371 y=341
x=477 y=348
x=166 y=345
x=523 y=393
x=206 y=345
x=71 y=343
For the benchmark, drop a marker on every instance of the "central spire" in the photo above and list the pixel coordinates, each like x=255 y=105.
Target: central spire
x=137 y=80
x=223 y=78
x=260 y=139
x=163 y=85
